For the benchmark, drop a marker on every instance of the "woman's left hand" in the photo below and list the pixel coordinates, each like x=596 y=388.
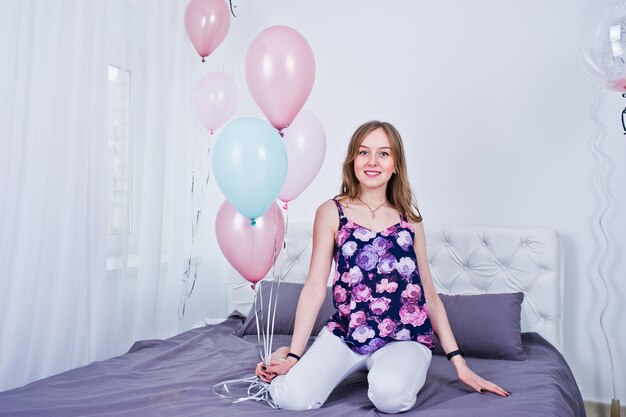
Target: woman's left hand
x=478 y=383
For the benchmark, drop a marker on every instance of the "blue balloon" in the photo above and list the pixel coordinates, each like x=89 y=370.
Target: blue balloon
x=250 y=165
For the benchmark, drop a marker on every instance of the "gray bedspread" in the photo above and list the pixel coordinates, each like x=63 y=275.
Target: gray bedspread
x=175 y=377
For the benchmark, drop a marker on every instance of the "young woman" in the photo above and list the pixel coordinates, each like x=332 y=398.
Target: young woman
x=387 y=305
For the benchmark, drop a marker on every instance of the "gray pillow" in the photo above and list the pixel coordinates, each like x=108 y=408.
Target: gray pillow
x=286 y=305
x=486 y=325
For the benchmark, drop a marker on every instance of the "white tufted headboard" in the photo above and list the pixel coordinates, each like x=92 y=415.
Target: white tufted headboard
x=463 y=260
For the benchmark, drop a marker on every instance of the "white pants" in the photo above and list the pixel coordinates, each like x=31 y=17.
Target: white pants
x=397 y=372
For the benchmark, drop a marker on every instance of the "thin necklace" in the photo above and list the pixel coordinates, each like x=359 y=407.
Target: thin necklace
x=370 y=209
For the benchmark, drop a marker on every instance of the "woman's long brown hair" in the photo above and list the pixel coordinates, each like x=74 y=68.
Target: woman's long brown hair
x=399 y=193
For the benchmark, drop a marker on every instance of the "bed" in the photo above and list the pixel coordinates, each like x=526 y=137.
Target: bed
x=175 y=377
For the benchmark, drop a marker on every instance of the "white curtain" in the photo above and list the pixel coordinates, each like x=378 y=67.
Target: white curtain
x=67 y=295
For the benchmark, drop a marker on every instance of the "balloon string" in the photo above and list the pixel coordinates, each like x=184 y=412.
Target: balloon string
x=189 y=281
x=283 y=244
x=257 y=390
x=232 y=7
x=256 y=317
x=607 y=202
x=271 y=306
x=624 y=114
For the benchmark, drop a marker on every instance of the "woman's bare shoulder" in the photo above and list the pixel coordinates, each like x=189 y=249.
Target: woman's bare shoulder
x=326 y=209
x=326 y=214
x=419 y=230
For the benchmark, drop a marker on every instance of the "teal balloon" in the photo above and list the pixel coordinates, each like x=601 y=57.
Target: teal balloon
x=250 y=165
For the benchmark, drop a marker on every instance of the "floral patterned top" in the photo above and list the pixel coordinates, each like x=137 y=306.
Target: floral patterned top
x=377 y=288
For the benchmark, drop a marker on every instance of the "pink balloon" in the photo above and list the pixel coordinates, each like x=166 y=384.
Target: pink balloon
x=280 y=70
x=251 y=250
x=216 y=100
x=305 y=142
x=207 y=23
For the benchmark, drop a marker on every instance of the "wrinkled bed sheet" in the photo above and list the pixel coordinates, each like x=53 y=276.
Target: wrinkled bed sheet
x=175 y=377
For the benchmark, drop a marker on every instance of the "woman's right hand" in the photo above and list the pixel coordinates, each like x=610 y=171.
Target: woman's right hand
x=262 y=373
x=279 y=365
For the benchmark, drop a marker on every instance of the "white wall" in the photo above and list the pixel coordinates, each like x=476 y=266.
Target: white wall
x=494 y=110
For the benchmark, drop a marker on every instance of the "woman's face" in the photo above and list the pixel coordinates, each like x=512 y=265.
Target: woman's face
x=374 y=164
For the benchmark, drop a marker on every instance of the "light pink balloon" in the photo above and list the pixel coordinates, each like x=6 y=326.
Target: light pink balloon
x=280 y=70
x=207 y=23
x=305 y=142
x=251 y=250
x=216 y=100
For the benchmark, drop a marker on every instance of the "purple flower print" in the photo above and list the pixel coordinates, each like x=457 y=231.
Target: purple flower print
x=386 y=327
x=390 y=231
x=351 y=225
x=385 y=286
x=344 y=310
x=356 y=276
x=426 y=340
x=363 y=234
x=381 y=245
x=404 y=239
x=357 y=319
x=367 y=258
x=349 y=248
x=339 y=294
x=403 y=334
x=405 y=266
x=362 y=350
x=362 y=333
x=336 y=277
x=361 y=293
x=342 y=235
x=386 y=263
x=376 y=344
x=371 y=347
x=345 y=277
x=410 y=313
x=379 y=305
x=412 y=293
x=332 y=325
x=406 y=225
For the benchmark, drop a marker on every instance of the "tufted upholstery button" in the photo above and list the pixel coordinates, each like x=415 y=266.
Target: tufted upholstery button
x=543 y=270
x=446 y=243
x=484 y=243
x=465 y=268
x=503 y=267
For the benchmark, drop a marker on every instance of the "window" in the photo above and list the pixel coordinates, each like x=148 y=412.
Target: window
x=119 y=219
x=120 y=164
